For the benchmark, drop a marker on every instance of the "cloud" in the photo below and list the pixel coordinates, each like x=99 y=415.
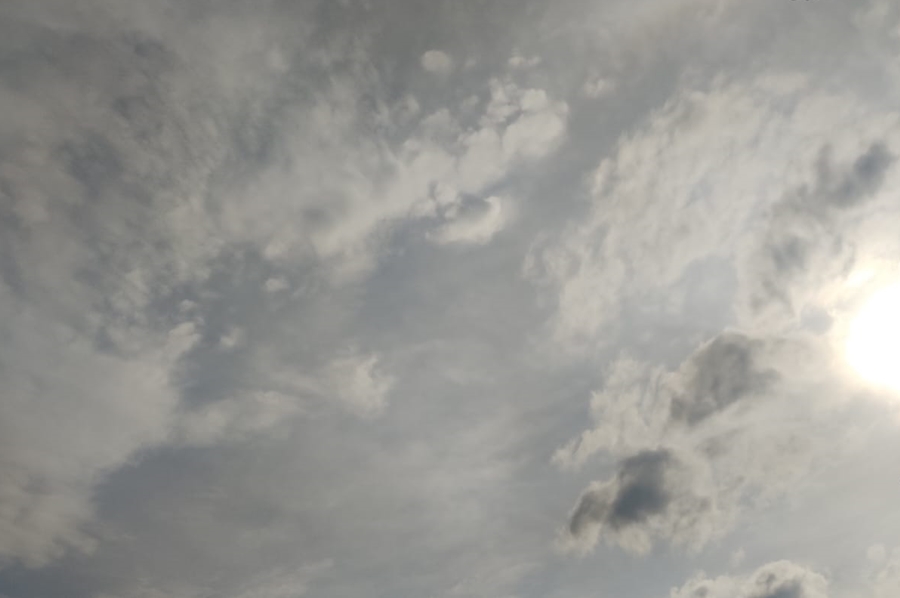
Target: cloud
x=358 y=382
x=629 y=413
x=262 y=316
x=236 y=418
x=153 y=221
x=521 y=62
x=285 y=584
x=59 y=391
x=721 y=373
x=735 y=412
x=781 y=579
x=640 y=494
x=351 y=380
x=654 y=494
x=435 y=61
x=640 y=405
x=882 y=580
x=439 y=164
x=810 y=238
x=277 y=583
x=475 y=227
x=675 y=193
x=598 y=87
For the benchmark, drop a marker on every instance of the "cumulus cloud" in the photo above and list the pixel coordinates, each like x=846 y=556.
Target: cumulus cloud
x=781 y=579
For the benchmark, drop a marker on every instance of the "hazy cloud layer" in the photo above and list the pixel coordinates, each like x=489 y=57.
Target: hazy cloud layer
x=362 y=298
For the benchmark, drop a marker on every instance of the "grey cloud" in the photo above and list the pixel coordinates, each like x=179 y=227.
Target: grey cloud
x=654 y=495
x=641 y=491
x=858 y=182
x=721 y=373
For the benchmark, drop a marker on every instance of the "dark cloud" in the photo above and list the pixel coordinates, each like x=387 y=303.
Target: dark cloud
x=592 y=508
x=654 y=495
x=639 y=492
x=858 y=182
x=642 y=492
x=721 y=373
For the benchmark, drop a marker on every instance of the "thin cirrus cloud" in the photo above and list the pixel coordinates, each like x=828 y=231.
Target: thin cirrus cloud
x=486 y=299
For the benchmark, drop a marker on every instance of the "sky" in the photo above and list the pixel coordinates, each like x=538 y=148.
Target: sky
x=449 y=299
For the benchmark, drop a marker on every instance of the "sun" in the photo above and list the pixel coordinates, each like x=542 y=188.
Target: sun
x=873 y=339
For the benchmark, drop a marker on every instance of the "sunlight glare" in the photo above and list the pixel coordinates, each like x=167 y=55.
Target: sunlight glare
x=873 y=342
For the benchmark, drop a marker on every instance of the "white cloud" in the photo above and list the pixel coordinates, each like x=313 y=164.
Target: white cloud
x=689 y=185
x=781 y=579
x=630 y=412
x=377 y=186
x=357 y=381
x=475 y=227
x=435 y=61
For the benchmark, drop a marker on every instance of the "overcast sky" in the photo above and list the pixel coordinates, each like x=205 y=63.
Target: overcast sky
x=449 y=298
